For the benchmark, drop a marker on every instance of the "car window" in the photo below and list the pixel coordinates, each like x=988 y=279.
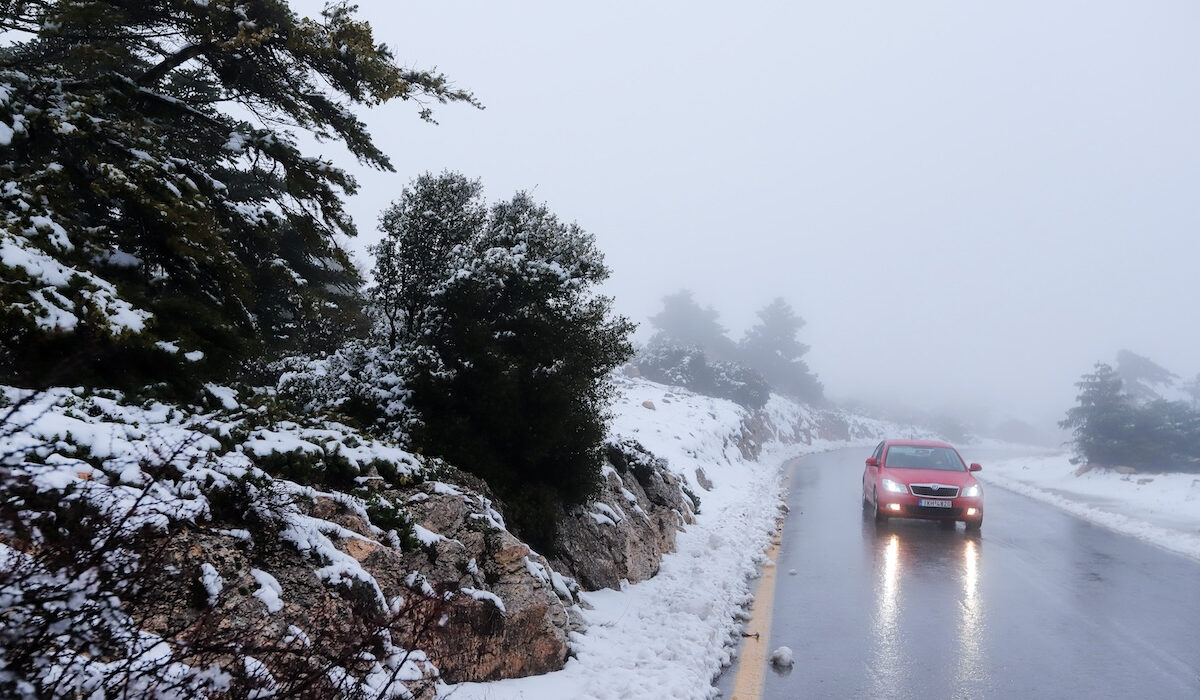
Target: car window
x=921 y=457
x=878 y=454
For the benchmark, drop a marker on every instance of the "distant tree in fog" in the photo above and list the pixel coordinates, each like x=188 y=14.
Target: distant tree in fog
x=1143 y=378
x=1101 y=418
x=1112 y=428
x=772 y=348
x=683 y=322
x=1192 y=389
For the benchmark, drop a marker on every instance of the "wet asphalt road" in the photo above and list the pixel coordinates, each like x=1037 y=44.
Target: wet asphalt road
x=1037 y=605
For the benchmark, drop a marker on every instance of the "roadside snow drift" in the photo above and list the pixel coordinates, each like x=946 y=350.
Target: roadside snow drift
x=1163 y=509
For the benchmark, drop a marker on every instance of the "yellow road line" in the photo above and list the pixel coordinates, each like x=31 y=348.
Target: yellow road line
x=752 y=666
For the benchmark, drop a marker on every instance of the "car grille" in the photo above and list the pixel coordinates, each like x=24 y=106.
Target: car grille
x=938 y=491
x=927 y=511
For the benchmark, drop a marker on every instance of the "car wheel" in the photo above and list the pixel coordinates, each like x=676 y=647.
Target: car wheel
x=974 y=525
x=880 y=517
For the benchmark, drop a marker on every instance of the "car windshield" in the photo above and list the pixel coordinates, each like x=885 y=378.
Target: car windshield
x=915 y=457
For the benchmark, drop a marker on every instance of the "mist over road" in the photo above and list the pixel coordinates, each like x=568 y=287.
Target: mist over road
x=1038 y=605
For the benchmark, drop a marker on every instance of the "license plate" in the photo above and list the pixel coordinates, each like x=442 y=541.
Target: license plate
x=930 y=503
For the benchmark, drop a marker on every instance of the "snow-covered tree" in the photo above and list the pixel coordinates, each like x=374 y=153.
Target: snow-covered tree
x=432 y=217
x=510 y=365
x=772 y=348
x=157 y=209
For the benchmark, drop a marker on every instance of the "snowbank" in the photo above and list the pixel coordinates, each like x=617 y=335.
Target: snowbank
x=1163 y=509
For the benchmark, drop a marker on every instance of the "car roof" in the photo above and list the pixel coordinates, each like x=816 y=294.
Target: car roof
x=918 y=443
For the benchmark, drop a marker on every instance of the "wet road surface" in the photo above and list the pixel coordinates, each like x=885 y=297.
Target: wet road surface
x=1037 y=605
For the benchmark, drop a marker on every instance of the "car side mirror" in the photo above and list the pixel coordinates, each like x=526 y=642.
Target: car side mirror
x=975 y=466
x=872 y=462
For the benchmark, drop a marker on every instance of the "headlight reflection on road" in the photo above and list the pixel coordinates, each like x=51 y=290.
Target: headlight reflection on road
x=888 y=654
x=970 y=627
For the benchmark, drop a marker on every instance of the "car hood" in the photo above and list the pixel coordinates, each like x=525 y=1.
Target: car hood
x=930 y=476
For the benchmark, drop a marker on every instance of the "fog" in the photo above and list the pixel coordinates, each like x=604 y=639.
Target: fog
x=970 y=203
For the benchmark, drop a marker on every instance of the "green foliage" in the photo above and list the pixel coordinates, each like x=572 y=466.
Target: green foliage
x=311 y=468
x=630 y=456
x=422 y=229
x=393 y=475
x=509 y=366
x=1111 y=429
x=740 y=384
x=534 y=512
x=142 y=206
x=391 y=517
x=234 y=502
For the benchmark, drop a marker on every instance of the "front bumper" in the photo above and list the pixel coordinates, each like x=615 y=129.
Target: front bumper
x=897 y=505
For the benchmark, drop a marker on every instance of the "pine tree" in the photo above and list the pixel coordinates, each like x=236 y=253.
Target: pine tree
x=1103 y=421
x=158 y=213
x=772 y=348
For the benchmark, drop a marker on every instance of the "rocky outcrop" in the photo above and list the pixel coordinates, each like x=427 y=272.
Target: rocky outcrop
x=510 y=613
x=623 y=534
x=476 y=602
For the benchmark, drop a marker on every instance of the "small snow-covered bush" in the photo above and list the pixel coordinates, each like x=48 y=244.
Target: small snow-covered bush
x=689 y=367
x=629 y=455
x=361 y=380
x=389 y=516
x=739 y=384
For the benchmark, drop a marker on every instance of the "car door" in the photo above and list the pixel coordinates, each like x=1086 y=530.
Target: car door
x=870 y=473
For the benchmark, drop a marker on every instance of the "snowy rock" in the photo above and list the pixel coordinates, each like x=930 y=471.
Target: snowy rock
x=515 y=618
x=782 y=658
x=643 y=508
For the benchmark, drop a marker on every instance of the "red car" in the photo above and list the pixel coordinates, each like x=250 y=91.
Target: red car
x=922 y=479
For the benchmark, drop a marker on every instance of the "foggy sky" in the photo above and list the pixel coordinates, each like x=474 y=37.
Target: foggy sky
x=968 y=202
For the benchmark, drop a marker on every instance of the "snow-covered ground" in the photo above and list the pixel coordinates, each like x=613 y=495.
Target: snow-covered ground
x=1163 y=509
x=669 y=636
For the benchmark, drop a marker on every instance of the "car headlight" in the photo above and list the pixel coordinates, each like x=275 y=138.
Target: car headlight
x=894 y=486
x=973 y=491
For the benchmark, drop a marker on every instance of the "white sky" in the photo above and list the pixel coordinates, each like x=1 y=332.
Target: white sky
x=968 y=201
